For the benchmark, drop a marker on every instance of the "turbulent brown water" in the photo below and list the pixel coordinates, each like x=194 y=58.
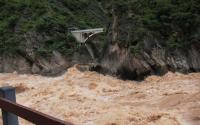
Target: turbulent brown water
x=89 y=98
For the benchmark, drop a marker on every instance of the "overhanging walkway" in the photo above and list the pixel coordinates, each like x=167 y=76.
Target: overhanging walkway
x=83 y=35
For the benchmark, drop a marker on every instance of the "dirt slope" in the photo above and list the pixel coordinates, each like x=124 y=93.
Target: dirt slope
x=88 y=98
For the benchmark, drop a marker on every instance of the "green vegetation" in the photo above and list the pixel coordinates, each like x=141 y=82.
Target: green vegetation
x=173 y=23
x=45 y=23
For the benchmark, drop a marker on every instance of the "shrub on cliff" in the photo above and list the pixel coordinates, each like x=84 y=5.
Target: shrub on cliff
x=172 y=24
x=42 y=25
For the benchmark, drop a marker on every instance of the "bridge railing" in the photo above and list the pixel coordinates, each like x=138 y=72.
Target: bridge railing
x=11 y=110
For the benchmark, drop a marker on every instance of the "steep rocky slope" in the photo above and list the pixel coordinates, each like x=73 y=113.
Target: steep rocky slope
x=35 y=35
x=141 y=37
x=120 y=62
x=88 y=98
x=151 y=37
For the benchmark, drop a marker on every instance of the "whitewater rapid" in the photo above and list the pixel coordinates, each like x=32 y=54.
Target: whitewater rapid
x=89 y=98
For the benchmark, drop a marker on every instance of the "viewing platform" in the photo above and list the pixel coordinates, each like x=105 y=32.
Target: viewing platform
x=83 y=36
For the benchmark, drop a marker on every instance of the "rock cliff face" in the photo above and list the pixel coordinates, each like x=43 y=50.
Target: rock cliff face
x=51 y=66
x=114 y=60
x=125 y=54
x=130 y=57
x=119 y=61
x=158 y=61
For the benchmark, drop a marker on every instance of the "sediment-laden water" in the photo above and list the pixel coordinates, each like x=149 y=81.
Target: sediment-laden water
x=89 y=98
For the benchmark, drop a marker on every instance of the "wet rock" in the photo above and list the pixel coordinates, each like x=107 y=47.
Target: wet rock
x=35 y=69
x=118 y=61
x=11 y=63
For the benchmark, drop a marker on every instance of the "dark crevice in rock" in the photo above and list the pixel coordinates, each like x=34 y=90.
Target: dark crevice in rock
x=126 y=74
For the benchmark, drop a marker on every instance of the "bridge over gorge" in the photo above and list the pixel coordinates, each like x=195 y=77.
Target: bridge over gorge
x=83 y=36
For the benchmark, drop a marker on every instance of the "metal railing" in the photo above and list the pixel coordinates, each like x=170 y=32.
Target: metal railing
x=11 y=110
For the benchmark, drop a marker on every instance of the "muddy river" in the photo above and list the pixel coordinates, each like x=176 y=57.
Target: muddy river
x=89 y=98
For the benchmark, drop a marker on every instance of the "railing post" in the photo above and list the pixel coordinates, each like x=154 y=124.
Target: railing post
x=9 y=94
